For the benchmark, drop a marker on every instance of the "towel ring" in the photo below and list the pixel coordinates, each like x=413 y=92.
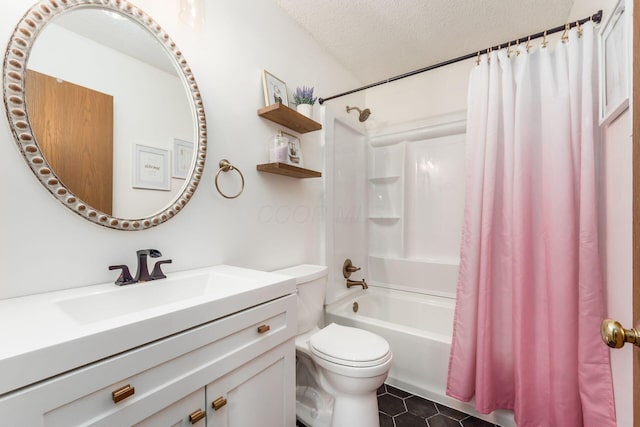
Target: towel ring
x=225 y=166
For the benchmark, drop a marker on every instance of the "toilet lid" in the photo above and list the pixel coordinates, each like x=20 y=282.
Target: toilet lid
x=349 y=346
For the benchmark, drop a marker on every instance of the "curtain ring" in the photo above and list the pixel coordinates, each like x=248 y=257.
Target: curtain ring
x=528 y=45
x=565 y=34
x=579 y=28
x=489 y=55
x=518 y=47
x=544 y=40
x=225 y=166
x=509 y=50
x=478 y=59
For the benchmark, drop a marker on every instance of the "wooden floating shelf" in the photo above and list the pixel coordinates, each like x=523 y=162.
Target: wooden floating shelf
x=288 y=170
x=288 y=117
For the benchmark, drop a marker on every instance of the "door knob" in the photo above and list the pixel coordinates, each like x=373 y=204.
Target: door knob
x=614 y=335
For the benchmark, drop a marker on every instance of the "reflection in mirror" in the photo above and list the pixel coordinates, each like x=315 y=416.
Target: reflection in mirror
x=112 y=104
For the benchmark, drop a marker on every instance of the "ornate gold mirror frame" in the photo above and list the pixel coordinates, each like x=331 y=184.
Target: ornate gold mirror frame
x=14 y=73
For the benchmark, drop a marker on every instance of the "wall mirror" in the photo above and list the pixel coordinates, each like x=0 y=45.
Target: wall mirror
x=105 y=111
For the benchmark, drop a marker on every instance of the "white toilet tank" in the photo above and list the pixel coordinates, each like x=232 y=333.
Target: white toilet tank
x=311 y=283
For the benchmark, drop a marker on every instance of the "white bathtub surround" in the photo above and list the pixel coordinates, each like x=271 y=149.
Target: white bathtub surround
x=530 y=295
x=416 y=198
x=437 y=278
x=346 y=201
x=418 y=328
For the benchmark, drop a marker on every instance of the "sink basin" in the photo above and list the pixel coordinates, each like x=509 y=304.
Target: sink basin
x=62 y=330
x=137 y=297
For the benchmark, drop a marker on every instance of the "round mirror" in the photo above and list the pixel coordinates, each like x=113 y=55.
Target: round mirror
x=106 y=111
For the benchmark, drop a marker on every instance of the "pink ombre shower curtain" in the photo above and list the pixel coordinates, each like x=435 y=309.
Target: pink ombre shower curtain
x=529 y=298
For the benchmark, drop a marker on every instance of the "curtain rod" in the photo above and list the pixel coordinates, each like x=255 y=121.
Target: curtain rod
x=597 y=17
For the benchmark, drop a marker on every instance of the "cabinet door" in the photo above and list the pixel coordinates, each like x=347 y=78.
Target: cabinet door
x=183 y=413
x=259 y=393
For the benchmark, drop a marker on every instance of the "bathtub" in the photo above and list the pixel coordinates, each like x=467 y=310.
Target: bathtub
x=419 y=329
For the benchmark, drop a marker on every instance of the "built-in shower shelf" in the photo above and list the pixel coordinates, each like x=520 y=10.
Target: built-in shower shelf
x=385 y=218
x=384 y=179
x=288 y=170
x=290 y=118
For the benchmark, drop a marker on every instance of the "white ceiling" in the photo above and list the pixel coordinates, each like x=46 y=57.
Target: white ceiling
x=378 y=39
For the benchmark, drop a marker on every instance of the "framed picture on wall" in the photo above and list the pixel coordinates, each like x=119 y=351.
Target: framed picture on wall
x=294 y=151
x=275 y=90
x=615 y=62
x=151 y=168
x=182 y=157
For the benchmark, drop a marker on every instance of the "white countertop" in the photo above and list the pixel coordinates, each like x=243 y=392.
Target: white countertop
x=47 y=334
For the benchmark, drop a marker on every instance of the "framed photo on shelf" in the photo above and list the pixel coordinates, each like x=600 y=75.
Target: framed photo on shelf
x=275 y=90
x=615 y=65
x=151 y=168
x=294 y=150
x=182 y=157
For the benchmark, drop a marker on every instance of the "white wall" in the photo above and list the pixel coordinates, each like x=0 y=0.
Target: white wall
x=44 y=246
x=433 y=93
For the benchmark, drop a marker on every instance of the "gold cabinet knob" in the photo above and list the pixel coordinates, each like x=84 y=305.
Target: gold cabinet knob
x=196 y=416
x=122 y=393
x=219 y=403
x=615 y=336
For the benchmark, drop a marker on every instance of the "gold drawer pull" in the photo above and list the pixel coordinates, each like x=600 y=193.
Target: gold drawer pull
x=122 y=393
x=197 y=416
x=263 y=328
x=219 y=403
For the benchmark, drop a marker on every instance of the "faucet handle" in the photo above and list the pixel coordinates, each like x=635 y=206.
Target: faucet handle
x=348 y=268
x=157 y=269
x=125 y=276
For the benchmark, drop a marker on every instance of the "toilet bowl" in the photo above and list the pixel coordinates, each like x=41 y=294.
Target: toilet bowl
x=339 y=368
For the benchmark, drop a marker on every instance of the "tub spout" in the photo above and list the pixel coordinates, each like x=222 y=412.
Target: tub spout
x=362 y=283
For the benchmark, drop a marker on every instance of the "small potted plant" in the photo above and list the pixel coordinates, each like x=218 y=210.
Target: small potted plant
x=303 y=97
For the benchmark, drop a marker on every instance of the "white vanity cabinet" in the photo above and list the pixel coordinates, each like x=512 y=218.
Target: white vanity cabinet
x=253 y=394
x=246 y=358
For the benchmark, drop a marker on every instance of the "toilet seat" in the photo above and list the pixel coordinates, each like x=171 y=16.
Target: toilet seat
x=349 y=347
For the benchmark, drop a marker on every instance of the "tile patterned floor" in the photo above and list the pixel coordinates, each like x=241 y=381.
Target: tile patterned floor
x=398 y=408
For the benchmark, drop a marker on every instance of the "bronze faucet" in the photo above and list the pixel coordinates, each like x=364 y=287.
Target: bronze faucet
x=347 y=269
x=362 y=283
x=142 y=273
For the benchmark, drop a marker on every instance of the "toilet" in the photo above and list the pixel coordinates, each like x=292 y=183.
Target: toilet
x=338 y=368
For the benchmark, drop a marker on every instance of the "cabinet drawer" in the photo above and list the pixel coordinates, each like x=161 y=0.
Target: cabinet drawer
x=161 y=373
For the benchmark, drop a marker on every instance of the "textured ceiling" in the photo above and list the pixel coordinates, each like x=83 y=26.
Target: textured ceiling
x=377 y=39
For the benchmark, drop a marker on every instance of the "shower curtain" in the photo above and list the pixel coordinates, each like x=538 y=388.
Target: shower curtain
x=529 y=297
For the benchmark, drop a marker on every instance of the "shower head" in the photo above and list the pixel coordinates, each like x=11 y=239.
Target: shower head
x=364 y=114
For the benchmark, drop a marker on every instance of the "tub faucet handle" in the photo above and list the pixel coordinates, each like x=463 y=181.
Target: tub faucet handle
x=348 y=268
